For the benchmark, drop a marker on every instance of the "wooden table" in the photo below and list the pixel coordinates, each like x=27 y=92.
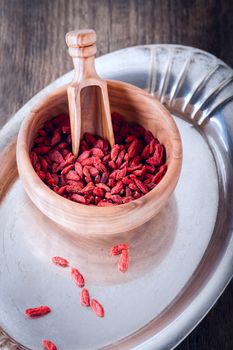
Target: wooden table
x=33 y=53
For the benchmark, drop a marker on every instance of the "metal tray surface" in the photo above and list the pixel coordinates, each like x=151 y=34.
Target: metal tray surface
x=187 y=258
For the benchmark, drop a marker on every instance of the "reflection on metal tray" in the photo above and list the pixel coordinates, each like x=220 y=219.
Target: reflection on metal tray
x=186 y=255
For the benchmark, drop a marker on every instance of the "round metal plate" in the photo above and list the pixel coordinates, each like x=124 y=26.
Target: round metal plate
x=187 y=250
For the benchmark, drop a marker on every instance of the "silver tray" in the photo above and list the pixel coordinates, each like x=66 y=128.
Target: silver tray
x=188 y=250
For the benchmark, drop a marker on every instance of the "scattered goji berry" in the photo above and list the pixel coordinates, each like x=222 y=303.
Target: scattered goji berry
x=123 y=261
x=117 y=249
x=85 y=297
x=48 y=345
x=58 y=260
x=37 y=311
x=97 y=308
x=77 y=277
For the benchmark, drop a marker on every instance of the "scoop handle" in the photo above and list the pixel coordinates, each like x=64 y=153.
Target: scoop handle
x=82 y=49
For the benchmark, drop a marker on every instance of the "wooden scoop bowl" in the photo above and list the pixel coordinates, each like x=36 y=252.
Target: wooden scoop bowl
x=87 y=94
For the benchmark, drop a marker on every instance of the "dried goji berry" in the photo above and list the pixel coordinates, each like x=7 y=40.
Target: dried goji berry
x=78 y=198
x=88 y=188
x=34 y=158
x=98 y=192
x=127 y=199
x=126 y=180
x=99 y=144
x=97 y=179
x=84 y=155
x=130 y=138
x=93 y=171
x=112 y=164
x=69 y=158
x=121 y=173
x=148 y=136
x=56 y=156
x=37 y=311
x=97 y=152
x=104 y=187
x=72 y=175
x=39 y=139
x=115 y=198
x=123 y=261
x=97 y=308
x=84 y=146
x=41 y=175
x=156 y=179
x=58 y=260
x=48 y=345
x=37 y=167
x=111 y=183
x=106 y=158
x=86 y=171
x=85 y=297
x=63 y=145
x=128 y=192
x=64 y=153
x=141 y=186
x=114 y=152
x=88 y=179
x=132 y=186
x=151 y=185
x=67 y=169
x=133 y=148
x=56 y=138
x=61 y=190
x=146 y=152
x=105 y=146
x=42 y=132
x=44 y=164
x=116 y=189
x=49 y=126
x=117 y=249
x=74 y=188
x=120 y=158
x=50 y=180
x=113 y=175
x=41 y=149
x=90 y=161
x=100 y=166
x=79 y=169
x=104 y=177
x=66 y=129
x=77 y=277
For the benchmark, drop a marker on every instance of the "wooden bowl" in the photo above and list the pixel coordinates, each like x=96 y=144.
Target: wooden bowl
x=135 y=105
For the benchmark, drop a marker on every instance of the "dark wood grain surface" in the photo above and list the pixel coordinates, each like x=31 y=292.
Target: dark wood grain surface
x=33 y=54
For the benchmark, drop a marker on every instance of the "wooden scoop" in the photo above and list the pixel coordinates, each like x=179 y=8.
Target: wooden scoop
x=87 y=94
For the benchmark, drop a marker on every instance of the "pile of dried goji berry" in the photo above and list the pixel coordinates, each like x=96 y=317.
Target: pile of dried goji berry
x=99 y=175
